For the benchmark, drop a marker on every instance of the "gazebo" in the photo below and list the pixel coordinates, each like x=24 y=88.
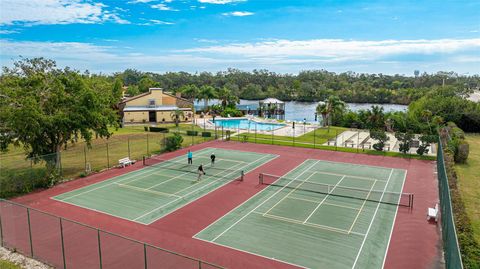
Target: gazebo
x=271 y=108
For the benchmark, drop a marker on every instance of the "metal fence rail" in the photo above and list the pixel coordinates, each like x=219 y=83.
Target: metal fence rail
x=65 y=243
x=453 y=258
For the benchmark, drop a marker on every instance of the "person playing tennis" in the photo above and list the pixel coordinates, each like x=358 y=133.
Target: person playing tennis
x=201 y=172
x=190 y=157
x=212 y=158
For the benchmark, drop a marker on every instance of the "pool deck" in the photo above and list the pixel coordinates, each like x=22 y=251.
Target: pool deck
x=287 y=130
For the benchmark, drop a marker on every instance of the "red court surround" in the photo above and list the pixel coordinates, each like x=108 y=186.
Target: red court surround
x=415 y=243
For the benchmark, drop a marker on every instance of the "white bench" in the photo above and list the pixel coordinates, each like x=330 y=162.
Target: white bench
x=433 y=213
x=125 y=161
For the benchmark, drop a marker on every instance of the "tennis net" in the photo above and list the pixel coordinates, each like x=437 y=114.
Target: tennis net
x=394 y=198
x=210 y=170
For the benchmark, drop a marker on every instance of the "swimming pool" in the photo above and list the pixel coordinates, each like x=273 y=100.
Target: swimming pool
x=247 y=124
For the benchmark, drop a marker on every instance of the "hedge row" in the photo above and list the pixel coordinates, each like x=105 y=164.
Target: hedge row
x=156 y=129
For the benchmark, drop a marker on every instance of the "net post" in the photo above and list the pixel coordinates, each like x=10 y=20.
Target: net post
x=144 y=160
x=145 y=255
x=260 y=179
x=99 y=249
x=63 y=244
x=242 y=175
x=30 y=231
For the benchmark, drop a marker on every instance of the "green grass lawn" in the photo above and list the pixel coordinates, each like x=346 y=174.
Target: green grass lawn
x=8 y=265
x=19 y=175
x=469 y=183
x=316 y=140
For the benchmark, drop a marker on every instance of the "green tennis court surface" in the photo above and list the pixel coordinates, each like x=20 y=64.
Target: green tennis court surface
x=320 y=215
x=148 y=194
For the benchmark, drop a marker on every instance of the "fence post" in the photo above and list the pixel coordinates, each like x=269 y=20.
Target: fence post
x=99 y=248
x=336 y=138
x=145 y=254
x=61 y=166
x=272 y=136
x=314 y=138
x=199 y=264
x=294 y=137
x=128 y=142
x=1 y=231
x=192 y=135
x=147 y=146
x=358 y=139
x=108 y=157
x=85 y=156
x=222 y=132
x=30 y=231
x=63 y=245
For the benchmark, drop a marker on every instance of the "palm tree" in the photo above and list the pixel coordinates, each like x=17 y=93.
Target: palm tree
x=227 y=98
x=176 y=114
x=207 y=93
x=191 y=92
x=376 y=117
x=334 y=107
x=322 y=110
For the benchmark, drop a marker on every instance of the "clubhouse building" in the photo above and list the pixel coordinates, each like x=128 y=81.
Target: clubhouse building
x=154 y=106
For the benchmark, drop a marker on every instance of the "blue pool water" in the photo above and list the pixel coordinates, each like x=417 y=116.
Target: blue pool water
x=247 y=124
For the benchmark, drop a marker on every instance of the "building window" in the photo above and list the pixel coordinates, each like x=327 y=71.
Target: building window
x=151 y=102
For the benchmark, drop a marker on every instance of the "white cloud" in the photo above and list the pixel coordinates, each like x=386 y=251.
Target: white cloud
x=220 y=2
x=334 y=50
x=34 y=12
x=161 y=22
x=7 y=32
x=238 y=13
x=168 y=1
x=140 y=1
x=388 y=57
x=163 y=7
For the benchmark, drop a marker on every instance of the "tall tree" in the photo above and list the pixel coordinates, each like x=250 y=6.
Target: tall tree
x=44 y=107
x=207 y=93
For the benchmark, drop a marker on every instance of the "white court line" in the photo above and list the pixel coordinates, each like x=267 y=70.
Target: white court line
x=325 y=203
x=164 y=205
x=181 y=175
x=310 y=224
x=325 y=198
x=350 y=176
x=145 y=190
x=246 y=201
x=139 y=172
x=211 y=176
x=394 y=219
x=361 y=208
x=263 y=202
x=288 y=194
x=371 y=222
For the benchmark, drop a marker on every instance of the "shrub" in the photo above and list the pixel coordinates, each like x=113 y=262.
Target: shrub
x=174 y=142
x=159 y=129
x=381 y=136
x=192 y=133
x=463 y=149
x=206 y=134
x=233 y=112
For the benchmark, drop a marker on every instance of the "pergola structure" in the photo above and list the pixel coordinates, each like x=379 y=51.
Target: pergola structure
x=271 y=108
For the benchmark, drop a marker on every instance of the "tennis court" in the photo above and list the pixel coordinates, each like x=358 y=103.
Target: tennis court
x=163 y=186
x=320 y=215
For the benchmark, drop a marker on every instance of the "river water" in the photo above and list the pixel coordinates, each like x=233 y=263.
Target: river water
x=297 y=111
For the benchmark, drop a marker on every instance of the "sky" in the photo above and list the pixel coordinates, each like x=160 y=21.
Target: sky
x=106 y=36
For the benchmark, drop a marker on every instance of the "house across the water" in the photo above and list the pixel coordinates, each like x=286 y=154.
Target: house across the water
x=154 y=106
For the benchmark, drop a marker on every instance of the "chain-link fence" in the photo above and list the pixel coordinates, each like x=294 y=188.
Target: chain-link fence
x=64 y=243
x=21 y=175
x=453 y=258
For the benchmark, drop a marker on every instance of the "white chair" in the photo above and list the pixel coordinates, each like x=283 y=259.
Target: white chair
x=433 y=213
